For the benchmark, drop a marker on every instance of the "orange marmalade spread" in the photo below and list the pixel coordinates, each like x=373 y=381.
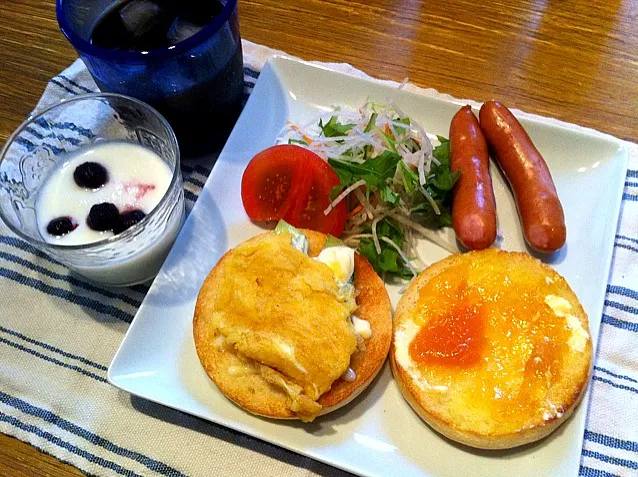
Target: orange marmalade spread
x=487 y=332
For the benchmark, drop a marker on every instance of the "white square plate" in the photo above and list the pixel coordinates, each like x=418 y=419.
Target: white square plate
x=378 y=432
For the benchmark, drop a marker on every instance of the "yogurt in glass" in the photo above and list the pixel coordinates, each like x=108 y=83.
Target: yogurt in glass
x=137 y=179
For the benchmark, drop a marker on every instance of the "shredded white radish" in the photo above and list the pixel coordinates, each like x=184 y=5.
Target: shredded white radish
x=401 y=254
x=427 y=233
x=375 y=237
x=358 y=236
x=368 y=138
x=421 y=169
x=343 y=195
x=432 y=202
x=362 y=134
x=365 y=203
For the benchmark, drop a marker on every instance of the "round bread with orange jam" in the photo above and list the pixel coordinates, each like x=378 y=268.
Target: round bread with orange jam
x=491 y=348
x=273 y=336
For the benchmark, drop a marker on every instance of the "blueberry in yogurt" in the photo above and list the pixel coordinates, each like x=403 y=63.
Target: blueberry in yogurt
x=103 y=217
x=90 y=175
x=128 y=219
x=61 y=226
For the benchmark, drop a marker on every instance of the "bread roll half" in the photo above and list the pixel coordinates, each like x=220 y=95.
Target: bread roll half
x=236 y=377
x=491 y=348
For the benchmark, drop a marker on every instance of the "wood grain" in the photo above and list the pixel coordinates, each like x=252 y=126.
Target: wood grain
x=18 y=459
x=576 y=60
x=573 y=60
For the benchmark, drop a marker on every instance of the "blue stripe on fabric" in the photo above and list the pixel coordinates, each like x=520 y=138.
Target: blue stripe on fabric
x=622 y=245
x=30 y=146
x=589 y=472
x=622 y=307
x=631 y=184
x=44 y=123
x=196 y=182
x=141 y=288
x=619 y=376
x=615 y=385
x=250 y=72
x=190 y=196
x=611 y=441
x=94 y=439
x=199 y=169
x=623 y=325
x=71 y=140
x=203 y=170
x=66 y=295
x=69 y=279
x=27 y=247
x=630 y=197
x=53 y=348
x=624 y=237
x=632 y=173
x=628 y=292
x=37 y=354
x=77 y=85
x=63 y=86
x=630 y=464
x=107 y=464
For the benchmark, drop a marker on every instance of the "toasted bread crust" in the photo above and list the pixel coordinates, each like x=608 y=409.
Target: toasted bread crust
x=250 y=391
x=433 y=408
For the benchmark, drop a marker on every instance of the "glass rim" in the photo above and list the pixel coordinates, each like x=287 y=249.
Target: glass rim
x=84 y=46
x=114 y=238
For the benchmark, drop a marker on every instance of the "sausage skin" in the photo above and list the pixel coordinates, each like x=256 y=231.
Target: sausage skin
x=473 y=203
x=539 y=207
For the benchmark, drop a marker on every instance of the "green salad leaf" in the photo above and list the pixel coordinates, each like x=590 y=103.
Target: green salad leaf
x=375 y=171
x=301 y=142
x=389 y=260
x=383 y=148
x=333 y=128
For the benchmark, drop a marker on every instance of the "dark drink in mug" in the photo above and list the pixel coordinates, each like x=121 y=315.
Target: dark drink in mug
x=183 y=57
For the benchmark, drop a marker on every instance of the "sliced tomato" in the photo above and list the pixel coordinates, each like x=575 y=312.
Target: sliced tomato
x=269 y=182
x=314 y=198
x=292 y=183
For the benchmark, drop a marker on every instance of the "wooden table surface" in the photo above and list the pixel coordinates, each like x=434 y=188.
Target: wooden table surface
x=576 y=60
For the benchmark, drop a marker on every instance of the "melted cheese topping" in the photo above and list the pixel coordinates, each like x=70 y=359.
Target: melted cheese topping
x=284 y=312
x=362 y=327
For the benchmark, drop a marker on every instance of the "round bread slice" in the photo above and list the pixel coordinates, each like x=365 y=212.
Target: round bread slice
x=250 y=390
x=491 y=348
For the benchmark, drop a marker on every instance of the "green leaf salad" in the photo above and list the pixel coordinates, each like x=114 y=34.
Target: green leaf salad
x=397 y=182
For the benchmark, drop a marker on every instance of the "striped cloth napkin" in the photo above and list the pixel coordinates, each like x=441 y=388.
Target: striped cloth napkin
x=58 y=334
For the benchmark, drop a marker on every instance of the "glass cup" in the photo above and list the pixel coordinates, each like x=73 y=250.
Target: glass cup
x=197 y=84
x=46 y=138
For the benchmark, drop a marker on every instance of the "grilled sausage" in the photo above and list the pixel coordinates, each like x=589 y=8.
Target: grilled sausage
x=539 y=207
x=473 y=206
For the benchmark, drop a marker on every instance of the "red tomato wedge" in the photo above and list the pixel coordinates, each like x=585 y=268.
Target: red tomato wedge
x=292 y=183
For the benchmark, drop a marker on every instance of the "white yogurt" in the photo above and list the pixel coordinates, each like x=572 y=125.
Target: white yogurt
x=138 y=179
